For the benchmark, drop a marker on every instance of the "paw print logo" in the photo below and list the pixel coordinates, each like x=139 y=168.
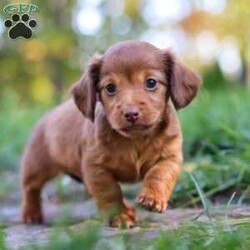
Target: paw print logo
x=20 y=26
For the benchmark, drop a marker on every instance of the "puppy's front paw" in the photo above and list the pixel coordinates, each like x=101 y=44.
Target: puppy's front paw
x=32 y=215
x=152 y=199
x=122 y=221
x=126 y=219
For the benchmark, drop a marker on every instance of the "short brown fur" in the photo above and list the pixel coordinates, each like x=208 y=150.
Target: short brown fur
x=128 y=136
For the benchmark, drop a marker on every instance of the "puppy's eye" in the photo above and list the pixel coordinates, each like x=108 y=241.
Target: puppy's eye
x=110 y=89
x=151 y=84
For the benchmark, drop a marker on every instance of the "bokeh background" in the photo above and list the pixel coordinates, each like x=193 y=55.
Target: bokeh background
x=211 y=36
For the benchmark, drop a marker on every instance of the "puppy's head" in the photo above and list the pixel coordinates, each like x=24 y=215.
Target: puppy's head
x=134 y=81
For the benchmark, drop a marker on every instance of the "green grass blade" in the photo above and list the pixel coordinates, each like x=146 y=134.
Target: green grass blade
x=203 y=198
x=227 y=210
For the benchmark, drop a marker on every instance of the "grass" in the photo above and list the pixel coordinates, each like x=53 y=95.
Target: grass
x=216 y=129
x=197 y=236
x=216 y=146
x=216 y=142
x=16 y=123
x=228 y=235
x=2 y=241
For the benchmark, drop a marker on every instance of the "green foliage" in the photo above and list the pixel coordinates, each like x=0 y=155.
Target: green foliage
x=216 y=145
x=195 y=236
x=46 y=66
x=2 y=239
x=201 y=237
x=16 y=123
x=213 y=79
x=216 y=142
x=211 y=235
x=69 y=239
x=206 y=204
x=217 y=124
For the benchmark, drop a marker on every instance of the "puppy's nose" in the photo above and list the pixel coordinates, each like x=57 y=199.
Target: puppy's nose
x=131 y=114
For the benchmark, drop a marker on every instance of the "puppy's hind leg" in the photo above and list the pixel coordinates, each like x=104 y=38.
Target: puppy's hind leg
x=36 y=170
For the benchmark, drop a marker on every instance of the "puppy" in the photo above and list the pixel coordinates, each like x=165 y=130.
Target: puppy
x=120 y=126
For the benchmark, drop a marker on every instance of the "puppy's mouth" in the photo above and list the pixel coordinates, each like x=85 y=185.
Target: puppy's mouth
x=136 y=128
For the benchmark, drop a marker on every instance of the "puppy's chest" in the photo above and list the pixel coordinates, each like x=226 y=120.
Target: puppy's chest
x=130 y=163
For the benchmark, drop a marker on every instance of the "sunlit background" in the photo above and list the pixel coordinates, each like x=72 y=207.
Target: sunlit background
x=210 y=35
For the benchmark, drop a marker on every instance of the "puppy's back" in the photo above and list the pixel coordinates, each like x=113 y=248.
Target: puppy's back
x=56 y=140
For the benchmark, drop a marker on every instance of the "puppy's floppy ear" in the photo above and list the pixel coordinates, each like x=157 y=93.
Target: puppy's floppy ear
x=183 y=82
x=85 y=90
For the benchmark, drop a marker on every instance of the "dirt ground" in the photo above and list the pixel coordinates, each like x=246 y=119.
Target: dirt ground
x=76 y=209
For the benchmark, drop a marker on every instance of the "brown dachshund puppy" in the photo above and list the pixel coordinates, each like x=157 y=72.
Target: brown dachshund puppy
x=127 y=131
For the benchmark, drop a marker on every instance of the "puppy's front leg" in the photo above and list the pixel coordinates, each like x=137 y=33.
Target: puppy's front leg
x=108 y=196
x=158 y=184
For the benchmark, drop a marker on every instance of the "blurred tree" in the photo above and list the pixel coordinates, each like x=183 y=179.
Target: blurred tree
x=49 y=63
x=40 y=68
x=213 y=78
x=44 y=67
x=234 y=21
x=196 y=22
